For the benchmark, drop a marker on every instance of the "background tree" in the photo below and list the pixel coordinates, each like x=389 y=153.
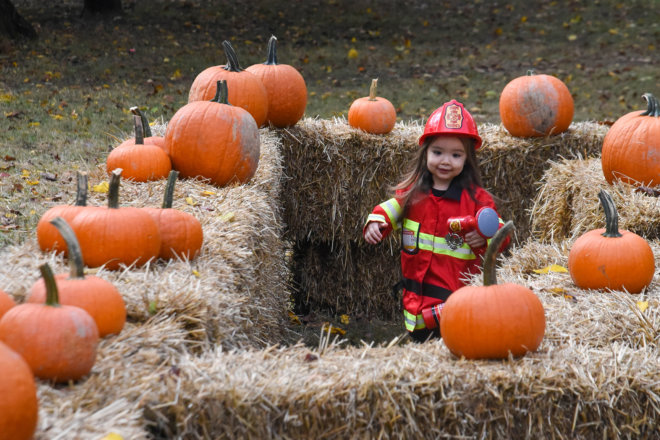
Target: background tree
x=102 y=6
x=12 y=24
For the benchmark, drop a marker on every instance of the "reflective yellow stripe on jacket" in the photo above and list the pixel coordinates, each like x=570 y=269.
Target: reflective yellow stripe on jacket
x=393 y=211
x=413 y=322
x=438 y=245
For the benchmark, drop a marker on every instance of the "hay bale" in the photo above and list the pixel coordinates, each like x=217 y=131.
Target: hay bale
x=234 y=293
x=567 y=203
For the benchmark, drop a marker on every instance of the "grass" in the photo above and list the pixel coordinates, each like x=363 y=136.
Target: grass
x=65 y=97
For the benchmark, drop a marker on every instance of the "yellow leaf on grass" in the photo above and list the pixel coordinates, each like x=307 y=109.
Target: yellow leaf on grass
x=345 y=319
x=642 y=305
x=294 y=318
x=102 y=187
x=352 y=53
x=333 y=330
x=552 y=268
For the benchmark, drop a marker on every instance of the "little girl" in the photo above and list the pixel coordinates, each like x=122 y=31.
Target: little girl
x=444 y=182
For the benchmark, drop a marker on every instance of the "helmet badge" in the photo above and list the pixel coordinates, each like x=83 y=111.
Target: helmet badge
x=453 y=116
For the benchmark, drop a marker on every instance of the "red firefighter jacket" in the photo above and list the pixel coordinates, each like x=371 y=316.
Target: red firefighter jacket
x=431 y=266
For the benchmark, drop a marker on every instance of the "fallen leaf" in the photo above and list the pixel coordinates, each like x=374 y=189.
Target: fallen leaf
x=102 y=187
x=642 y=305
x=552 y=268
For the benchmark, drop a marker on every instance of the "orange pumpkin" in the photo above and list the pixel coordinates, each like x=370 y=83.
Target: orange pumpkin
x=141 y=162
x=115 y=235
x=181 y=233
x=58 y=342
x=19 y=406
x=48 y=236
x=213 y=140
x=98 y=297
x=493 y=320
x=631 y=148
x=372 y=113
x=245 y=89
x=285 y=87
x=6 y=302
x=149 y=137
x=536 y=105
x=610 y=258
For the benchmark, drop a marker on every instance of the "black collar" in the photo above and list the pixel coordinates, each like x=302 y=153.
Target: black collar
x=453 y=192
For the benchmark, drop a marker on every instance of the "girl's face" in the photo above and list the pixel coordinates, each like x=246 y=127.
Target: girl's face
x=445 y=158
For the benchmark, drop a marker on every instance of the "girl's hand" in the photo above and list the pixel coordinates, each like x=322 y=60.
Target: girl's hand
x=372 y=234
x=474 y=240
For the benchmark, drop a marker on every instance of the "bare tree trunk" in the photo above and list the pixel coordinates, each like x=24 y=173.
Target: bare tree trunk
x=102 y=6
x=12 y=24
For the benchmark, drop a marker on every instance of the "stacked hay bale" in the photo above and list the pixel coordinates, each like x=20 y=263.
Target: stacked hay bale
x=336 y=174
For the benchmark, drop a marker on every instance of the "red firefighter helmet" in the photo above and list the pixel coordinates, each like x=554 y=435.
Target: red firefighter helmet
x=452 y=119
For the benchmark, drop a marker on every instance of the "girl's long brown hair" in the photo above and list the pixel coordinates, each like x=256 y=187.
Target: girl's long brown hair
x=418 y=180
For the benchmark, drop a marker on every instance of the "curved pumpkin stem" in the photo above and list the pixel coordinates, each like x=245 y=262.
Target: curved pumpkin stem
x=139 y=133
x=611 y=215
x=52 y=295
x=81 y=188
x=113 y=190
x=232 y=59
x=490 y=258
x=77 y=268
x=145 y=123
x=221 y=93
x=272 y=52
x=169 y=189
x=372 y=89
x=653 y=106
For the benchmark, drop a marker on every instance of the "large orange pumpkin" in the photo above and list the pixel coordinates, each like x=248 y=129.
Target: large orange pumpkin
x=181 y=233
x=285 y=86
x=214 y=140
x=99 y=297
x=536 y=105
x=373 y=114
x=48 y=236
x=19 y=406
x=631 y=148
x=245 y=89
x=58 y=342
x=493 y=320
x=139 y=161
x=115 y=235
x=610 y=258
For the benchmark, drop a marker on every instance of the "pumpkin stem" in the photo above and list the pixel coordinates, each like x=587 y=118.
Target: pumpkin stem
x=113 y=190
x=139 y=134
x=232 y=59
x=531 y=72
x=145 y=123
x=169 y=189
x=611 y=216
x=81 y=190
x=490 y=258
x=221 y=93
x=372 y=89
x=52 y=295
x=653 y=106
x=77 y=268
x=272 y=51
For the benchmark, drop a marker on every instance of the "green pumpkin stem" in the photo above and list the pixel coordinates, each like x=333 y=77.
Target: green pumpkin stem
x=611 y=215
x=221 y=93
x=531 y=72
x=272 y=51
x=77 y=268
x=232 y=59
x=145 y=122
x=372 y=89
x=113 y=190
x=139 y=133
x=653 y=106
x=52 y=295
x=81 y=189
x=490 y=258
x=169 y=189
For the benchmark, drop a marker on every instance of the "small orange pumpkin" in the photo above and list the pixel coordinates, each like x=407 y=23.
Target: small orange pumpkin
x=6 y=303
x=214 y=140
x=58 y=342
x=48 y=236
x=115 y=235
x=99 y=297
x=285 y=86
x=536 y=105
x=610 y=258
x=373 y=114
x=245 y=89
x=181 y=233
x=19 y=405
x=141 y=162
x=493 y=320
x=631 y=147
